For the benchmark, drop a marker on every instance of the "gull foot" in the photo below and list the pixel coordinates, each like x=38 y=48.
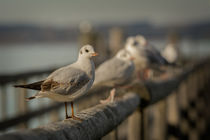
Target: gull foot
x=110 y=99
x=74 y=118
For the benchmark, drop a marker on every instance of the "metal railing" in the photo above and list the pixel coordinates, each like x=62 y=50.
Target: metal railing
x=157 y=108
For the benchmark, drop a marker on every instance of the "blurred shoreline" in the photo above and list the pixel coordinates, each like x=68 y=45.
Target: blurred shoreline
x=23 y=33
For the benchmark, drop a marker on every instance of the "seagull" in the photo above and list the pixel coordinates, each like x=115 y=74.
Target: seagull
x=170 y=53
x=153 y=53
x=69 y=82
x=115 y=72
x=146 y=56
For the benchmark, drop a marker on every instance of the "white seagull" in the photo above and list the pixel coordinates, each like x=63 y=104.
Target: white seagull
x=170 y=53
x=69 y=82
x=146 y=56
x=115 y=72
x=153 y=53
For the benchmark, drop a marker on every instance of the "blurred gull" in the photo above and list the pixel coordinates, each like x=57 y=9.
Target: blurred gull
x=153 y=53
x=115 y=72
x=146 y=56
x=170 y=53
x=69 y=82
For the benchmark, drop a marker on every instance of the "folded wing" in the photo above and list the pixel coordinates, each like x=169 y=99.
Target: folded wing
x=65 y=82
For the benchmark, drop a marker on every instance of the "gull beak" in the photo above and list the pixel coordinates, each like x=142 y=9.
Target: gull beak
x=94 y=54
x=132 y=58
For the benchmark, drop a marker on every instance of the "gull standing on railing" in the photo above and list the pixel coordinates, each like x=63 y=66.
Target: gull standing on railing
x=151 y=51
x=170 y=53
x=115 y=72
x=146 y=56
x=69 y=82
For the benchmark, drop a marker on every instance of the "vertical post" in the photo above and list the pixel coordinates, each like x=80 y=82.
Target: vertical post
x=22 y=105
x=54 y=116
x=134 y=126
x=172 y=114
x=89 y=36
x=155 y=121
x=115 y=40
x=146 y=123
x=183 y=105
x=113 y=135
x=191 y=110
x=143 y=121
x=115 y=43
x=122 y=130
x=3 y=102
x=159 y=126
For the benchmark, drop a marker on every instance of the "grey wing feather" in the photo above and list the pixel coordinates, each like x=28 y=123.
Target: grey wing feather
x=69 y=80
x=154 y=55
x=114 y=71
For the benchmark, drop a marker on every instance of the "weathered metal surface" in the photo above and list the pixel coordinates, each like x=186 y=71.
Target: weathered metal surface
x=151 y=92
x=97 y=122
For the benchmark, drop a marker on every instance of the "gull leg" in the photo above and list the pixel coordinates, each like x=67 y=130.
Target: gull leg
x=66 y=110
x=146 y=74
x=110 y=99
x=72 y=113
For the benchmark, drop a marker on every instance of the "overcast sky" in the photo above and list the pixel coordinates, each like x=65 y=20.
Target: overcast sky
x=71 y=12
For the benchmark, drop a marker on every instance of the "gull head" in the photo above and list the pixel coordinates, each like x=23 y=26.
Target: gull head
x=124 y=55
x=141 y=40
x=87 y=51
x=131 y=45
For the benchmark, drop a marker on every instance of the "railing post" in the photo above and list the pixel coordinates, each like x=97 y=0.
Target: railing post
x=172 y=114
x=3 y=102
x=143 y=124
x=115 y=40
x=113 y=135
x=134 y=126
x=89 y=36
x=183 y=105
x=192 y=89
x=155 y=121
x=22 y=104
x=54 y=115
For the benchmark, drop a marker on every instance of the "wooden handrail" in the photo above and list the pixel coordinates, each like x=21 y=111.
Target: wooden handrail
x=150 y=93
x=106 y=117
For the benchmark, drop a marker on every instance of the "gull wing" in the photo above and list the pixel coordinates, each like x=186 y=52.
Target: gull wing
x=66 y=81
x=34 y=86
x=112 y=71
x=154 y=55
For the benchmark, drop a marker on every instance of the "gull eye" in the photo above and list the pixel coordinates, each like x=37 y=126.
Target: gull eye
x=86 y=50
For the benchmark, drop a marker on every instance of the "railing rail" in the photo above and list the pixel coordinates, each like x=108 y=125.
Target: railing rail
x=105 y=117
x=4 y=79
x=153 y=90
x=149 y=93
x=27 y=116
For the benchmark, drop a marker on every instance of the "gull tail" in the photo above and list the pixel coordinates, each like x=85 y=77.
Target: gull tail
x=30 y=98
x=34 y=86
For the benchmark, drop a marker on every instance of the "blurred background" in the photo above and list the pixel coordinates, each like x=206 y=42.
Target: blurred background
x=46 y=32
x=39 y=36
